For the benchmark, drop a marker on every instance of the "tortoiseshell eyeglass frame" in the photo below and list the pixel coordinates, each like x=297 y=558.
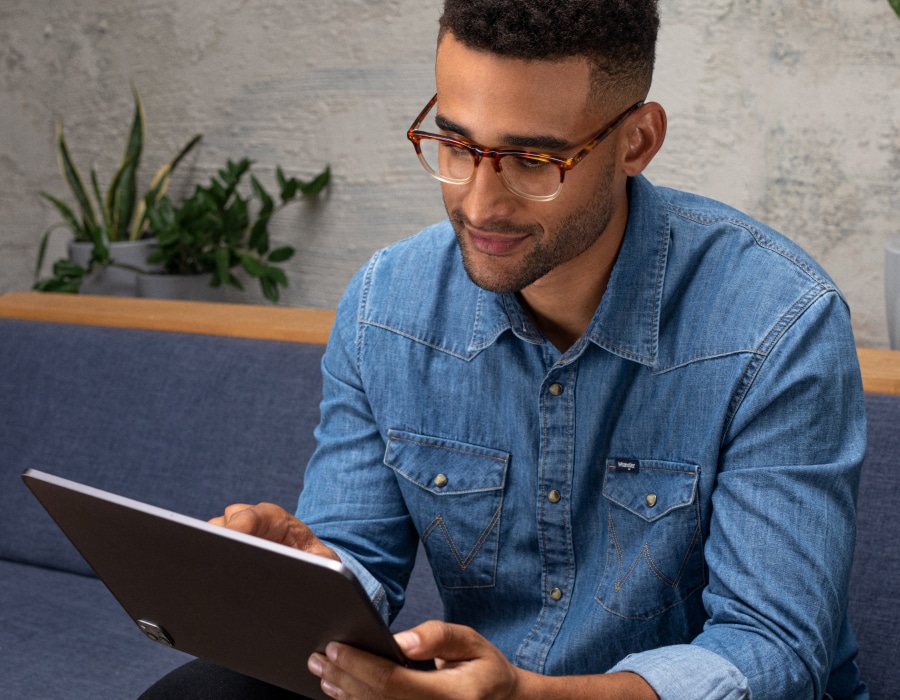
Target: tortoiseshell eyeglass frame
x=494 y=155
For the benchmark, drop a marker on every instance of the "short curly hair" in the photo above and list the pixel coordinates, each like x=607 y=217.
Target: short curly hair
x=618 y=37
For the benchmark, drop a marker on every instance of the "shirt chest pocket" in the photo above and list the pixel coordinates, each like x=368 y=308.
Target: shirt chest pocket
x=654 y=557
x=454 y=493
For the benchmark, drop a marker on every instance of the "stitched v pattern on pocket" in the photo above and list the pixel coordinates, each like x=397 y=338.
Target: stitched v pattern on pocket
x=464 y=561
x=645 y=554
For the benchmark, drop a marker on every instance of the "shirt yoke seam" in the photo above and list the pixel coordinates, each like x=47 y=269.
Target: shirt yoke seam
x=762 y=240
x=775 y=334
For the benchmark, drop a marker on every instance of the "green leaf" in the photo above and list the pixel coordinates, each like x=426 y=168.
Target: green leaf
x=66 y=212
x=268 y=203
x=896 y=5
x=100 y=252
x=289 y=190
x=269 y=289
x=136 y=139
x=259 y=236
x=73 y=179
x=59 y=286
x=42 y=249
x=277 y=276
x=104 y=211
x=281 y=254
x=217 y=193
x=222 y=265
x=184 y=151
x=317 y=184
x=66 y=268
x=235 y=282
x=160 y=183
x=122 y=197
x=253 y=266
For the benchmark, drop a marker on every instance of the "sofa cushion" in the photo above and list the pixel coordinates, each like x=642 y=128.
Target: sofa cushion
x=874 y=591
x=186 y=422
x=65 y=636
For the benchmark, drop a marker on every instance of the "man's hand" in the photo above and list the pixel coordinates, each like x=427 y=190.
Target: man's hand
x=468 y=666
x=275 y=524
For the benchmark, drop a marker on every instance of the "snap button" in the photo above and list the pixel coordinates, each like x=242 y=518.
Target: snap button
x=556 y=389
x=651 y=500
x=440 y=481
x=554 y=496
x=556 y=594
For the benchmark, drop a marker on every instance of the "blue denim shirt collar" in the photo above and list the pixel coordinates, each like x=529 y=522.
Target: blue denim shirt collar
x=627 y=321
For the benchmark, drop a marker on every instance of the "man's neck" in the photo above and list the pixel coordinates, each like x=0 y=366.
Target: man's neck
x=562 y=303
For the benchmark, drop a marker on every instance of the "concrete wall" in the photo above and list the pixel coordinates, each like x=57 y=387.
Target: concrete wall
x=788 y=110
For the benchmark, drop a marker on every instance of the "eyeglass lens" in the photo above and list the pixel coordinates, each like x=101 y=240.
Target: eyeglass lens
x=452 y=163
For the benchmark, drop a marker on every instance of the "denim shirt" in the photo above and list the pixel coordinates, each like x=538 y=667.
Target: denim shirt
x=674 y=495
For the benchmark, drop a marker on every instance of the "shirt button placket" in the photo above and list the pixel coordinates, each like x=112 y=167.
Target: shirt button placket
x=556 y=389
x=557 y=418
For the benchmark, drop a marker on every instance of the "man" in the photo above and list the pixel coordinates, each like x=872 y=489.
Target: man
x=626 y=422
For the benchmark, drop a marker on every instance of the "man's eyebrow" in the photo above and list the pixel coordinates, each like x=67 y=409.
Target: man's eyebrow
x=534 y=143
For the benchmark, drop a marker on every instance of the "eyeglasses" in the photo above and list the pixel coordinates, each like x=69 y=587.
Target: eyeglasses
x=535 y=176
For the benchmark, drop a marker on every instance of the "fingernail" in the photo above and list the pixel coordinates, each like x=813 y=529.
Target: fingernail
x=407 y=641
x=315 y=665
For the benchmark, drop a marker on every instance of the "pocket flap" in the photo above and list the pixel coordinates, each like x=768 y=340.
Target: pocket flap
x=445 y=467
x=650 y=488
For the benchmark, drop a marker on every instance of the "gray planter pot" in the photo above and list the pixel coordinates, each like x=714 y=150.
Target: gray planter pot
x=187 y=287
x=114 y=280
x=892 y=290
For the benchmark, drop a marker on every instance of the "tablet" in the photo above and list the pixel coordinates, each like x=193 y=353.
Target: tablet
x=239 y=601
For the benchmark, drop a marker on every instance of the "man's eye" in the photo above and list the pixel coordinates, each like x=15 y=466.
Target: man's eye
x=524 y=163
x=454 y=149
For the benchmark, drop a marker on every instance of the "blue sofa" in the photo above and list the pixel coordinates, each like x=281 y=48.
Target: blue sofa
x=192 y=421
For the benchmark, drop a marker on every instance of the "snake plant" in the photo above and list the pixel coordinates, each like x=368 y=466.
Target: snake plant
x=120 y=215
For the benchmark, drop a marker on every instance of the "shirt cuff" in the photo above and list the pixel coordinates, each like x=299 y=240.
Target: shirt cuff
x=687 y=672
x=370 y=584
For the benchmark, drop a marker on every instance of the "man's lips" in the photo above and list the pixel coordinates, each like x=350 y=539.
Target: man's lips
x=491 y=243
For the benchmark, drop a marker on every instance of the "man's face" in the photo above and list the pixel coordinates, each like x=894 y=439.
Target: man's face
x=509 y=242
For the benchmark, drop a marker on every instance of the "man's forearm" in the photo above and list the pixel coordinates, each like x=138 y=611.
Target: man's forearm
x=611 y=686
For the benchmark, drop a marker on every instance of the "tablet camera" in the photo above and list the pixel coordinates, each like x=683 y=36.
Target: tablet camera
x=155 y=632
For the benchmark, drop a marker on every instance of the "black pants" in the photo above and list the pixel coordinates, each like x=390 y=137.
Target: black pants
x=202 y=680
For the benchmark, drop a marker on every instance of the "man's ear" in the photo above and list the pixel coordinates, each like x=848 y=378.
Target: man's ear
x=642 y=138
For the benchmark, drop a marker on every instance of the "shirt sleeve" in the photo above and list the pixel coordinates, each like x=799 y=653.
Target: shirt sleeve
x=374 y=537
x=686 y=671
x=783 y=525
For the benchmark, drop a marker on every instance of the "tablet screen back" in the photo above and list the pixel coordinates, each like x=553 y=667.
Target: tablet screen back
x=253 y=606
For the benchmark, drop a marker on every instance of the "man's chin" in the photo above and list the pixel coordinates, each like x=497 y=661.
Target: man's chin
x=493 y=280
x=505 y=271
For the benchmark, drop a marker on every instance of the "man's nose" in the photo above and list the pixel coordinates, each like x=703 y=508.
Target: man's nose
x=487 y=197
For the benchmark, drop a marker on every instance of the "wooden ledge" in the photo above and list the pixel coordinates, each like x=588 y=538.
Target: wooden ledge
x=234 y=320
x=880 y=368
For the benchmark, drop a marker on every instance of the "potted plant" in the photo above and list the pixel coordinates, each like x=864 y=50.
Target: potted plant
x=892 y=270
x=218 y=229
x=109 y=246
